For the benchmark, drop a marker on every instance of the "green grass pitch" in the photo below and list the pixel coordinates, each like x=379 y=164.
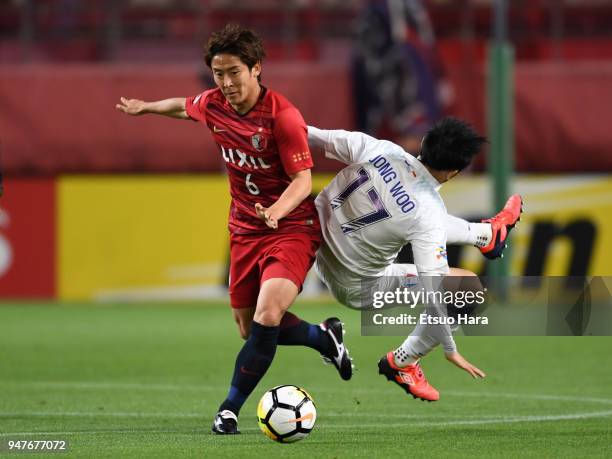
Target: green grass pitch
x=145 y=381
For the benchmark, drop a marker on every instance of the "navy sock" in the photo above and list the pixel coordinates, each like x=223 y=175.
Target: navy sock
x=297 y=332
x=252 y=362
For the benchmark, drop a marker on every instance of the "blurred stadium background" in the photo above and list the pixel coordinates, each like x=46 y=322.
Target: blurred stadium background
x=99 y=210
x=102 y=207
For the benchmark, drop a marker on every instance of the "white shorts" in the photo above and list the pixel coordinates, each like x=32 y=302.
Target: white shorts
x=352 y=290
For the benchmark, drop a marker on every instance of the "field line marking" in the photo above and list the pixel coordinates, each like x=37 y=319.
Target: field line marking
x=195 y=387
x=500 y=420
x=85 y=414
x=503 y=420
x=110 y=385
x=100 y=432
x=92 y=414
x=568 y=398
x=190 y=387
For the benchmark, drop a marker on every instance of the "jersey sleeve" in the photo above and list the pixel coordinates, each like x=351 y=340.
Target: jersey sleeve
x=290 y=133
x=351 y=147
x=194 y=106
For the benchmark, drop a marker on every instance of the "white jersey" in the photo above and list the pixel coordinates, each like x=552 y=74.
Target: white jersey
x=384 y=199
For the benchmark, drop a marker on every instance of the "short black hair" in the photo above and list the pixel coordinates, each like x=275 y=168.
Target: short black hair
x=238 y=41
x=450 y=145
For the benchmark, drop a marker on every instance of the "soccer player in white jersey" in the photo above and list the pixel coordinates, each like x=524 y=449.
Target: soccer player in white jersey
x=385 y=199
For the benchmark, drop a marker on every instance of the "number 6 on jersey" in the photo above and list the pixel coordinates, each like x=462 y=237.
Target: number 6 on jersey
x=253 y=189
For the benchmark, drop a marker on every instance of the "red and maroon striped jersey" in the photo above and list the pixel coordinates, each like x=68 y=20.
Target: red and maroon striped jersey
x=261 y=149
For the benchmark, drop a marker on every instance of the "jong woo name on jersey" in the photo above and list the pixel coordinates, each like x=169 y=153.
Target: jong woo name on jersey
x=261 y=149
x=384 y=199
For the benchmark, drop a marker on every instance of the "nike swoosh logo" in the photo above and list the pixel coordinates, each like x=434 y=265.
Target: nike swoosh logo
x=248 y=372
x=339 y=348
x=306 y=417
x=217 y=130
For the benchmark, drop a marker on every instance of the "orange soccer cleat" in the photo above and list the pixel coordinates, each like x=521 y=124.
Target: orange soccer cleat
x=501 y=225
x=410 y=378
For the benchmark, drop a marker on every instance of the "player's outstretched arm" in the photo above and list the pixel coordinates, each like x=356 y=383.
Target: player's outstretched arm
x=350 y=147
x=458 y=360
x=174 y=108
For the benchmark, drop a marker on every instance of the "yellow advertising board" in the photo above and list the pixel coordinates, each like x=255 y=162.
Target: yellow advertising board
x=141 y=236
x=566 y=228
x=158 y=237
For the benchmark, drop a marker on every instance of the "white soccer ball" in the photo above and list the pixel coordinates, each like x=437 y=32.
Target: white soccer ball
x=286 y=414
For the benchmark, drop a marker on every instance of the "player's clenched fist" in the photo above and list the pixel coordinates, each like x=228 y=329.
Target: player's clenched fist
x=131 y=106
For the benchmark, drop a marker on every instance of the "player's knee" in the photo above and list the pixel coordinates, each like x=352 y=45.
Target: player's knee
x=462 y=280
x=460 y=272
x=269 y=316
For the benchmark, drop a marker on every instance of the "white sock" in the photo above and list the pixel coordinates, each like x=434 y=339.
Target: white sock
x=460 y=231
x=413 y=349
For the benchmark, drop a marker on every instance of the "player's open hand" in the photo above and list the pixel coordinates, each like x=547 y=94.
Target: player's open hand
x=132 y=107
x=264 y=214
x=460 y=361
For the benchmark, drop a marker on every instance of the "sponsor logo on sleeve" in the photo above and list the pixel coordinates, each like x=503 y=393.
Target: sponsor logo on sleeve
x=303 y=156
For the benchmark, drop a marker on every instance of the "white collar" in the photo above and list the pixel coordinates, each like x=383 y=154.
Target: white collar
x=421 y=169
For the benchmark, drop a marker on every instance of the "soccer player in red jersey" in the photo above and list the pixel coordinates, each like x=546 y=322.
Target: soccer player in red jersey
x=273 y=223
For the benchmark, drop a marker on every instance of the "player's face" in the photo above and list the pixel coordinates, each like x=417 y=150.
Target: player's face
x=239 y=84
